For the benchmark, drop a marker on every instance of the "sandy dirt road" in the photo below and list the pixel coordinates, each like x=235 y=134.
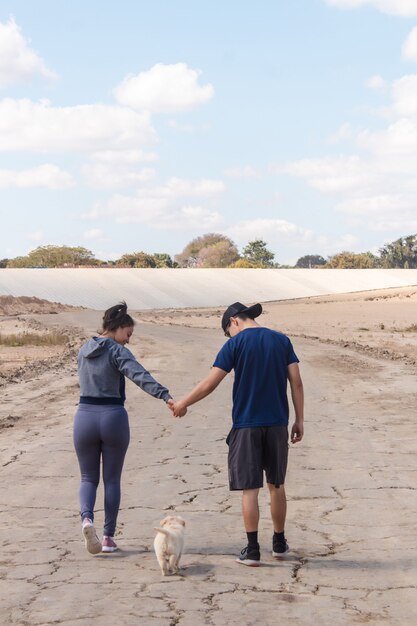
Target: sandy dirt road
x=351 y=488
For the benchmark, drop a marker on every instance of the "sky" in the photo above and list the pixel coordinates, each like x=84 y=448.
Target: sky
x=137 y=126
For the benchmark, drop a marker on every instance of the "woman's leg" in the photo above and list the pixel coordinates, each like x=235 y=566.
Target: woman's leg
x=87 y=445
x=115 y=441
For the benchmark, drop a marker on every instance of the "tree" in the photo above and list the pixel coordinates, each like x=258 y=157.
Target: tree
x=196 y=253
x=163 y=260
x=310 y=260
x=401 y=253
x=352 y=260
x=4 y=262
x=137 y=259
x=55 y=256
x=244 y=264
x=220 y=254
x=256 y=252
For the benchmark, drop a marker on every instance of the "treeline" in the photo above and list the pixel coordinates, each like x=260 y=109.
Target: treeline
x=216 y=250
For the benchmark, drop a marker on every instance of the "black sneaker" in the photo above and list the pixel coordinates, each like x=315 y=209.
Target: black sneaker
x=280 y=547
x=250 y=556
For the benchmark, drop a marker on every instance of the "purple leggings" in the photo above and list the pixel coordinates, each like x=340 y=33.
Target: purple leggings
x=101 y=433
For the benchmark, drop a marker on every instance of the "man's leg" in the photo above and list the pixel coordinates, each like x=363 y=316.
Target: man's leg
x=250 y=509
x=276 y=447
x=278 y=513
x=250 y=555
x=246 y=474
x=278 y=507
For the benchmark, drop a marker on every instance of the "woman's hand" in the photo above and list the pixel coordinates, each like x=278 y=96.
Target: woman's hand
x=177 y=409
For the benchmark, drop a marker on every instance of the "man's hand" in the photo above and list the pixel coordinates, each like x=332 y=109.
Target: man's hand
x=297 y=432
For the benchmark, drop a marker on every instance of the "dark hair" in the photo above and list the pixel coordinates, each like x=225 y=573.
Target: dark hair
x=117 y=317
x=242 y=316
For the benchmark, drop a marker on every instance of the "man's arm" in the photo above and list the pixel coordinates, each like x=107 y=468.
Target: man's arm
x=297 y=394
x=200 y=391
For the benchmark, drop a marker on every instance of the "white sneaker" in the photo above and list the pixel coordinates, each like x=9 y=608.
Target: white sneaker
x=109 y=545
x=92 y=542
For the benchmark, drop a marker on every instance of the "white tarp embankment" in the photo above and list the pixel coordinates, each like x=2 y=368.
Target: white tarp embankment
x=178 y=288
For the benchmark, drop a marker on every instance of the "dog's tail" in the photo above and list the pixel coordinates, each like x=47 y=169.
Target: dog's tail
x=164 y=531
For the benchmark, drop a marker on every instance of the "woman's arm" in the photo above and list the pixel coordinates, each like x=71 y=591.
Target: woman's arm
x=130 y=367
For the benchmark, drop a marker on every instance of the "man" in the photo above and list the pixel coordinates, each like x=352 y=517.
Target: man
x=263 y=361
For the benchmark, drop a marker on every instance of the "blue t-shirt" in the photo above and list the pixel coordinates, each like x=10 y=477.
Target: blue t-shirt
x=260 y=358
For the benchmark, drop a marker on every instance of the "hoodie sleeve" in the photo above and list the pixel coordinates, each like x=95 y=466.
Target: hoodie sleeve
x=130 y=367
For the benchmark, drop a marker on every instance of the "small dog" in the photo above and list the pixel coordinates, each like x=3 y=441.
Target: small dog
x=169 y=544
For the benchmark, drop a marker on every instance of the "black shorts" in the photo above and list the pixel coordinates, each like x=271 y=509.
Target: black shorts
x=255 y=450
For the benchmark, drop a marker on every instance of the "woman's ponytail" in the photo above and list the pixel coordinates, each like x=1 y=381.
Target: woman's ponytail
x=117 y=317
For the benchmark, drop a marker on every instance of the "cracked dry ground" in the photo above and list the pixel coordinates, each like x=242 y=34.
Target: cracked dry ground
x=351 y=488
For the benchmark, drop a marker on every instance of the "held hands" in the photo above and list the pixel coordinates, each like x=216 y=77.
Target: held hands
x=176 y=408
x=297 y=432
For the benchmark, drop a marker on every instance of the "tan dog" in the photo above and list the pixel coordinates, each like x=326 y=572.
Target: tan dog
x=169 y=544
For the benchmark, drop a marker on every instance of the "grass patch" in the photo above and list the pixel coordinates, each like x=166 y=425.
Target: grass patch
x=33 y=339
x=409 y=329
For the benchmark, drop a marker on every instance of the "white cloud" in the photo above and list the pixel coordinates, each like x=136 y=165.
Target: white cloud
x=269 y=229
x=405 y=8
x=376 y=205
x=409 y=49
x=376 y=189
x=164 y=207
x=398 y=226
x=164 y=89
x=18 y=62
x=126 y=209
x=376 y=82
x=108 y=256
x=178 y=127
x=93 y=233
x=343 y=133
x=104 y=176
x=47 y=175
x=115 y=169
x=126 y=157
x=278 y=231
x=157 y=213
x=40 y=127
x=179 y=187
x=331 y=245
x=398 y=140
x=191 y=217
x=404 y=95
x=246 y=171
x=335 y=174
x=36 y=235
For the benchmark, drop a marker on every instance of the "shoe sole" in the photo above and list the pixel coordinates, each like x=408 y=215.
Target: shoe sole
x=277 y=555
x=108 y=549
x=249 y=563
x=92 y=542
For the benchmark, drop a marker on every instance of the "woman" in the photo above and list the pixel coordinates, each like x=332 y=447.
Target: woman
x=101 y=425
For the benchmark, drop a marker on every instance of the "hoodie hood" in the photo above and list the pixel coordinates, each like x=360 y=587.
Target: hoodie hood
x=94 y=347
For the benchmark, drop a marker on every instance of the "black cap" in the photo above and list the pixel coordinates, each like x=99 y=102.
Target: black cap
x=236 y=308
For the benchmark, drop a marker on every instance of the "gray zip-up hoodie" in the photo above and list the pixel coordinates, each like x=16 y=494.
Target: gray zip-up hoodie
x=102 y=365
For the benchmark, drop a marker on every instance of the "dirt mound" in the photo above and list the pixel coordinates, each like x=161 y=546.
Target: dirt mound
x=11 y=305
